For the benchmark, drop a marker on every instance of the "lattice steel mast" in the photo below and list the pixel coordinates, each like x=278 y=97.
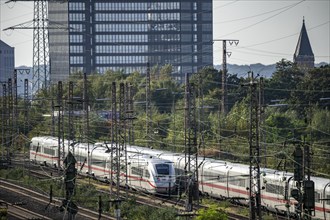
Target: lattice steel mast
x=254 y=189
x=40 y=26
x=191 y=148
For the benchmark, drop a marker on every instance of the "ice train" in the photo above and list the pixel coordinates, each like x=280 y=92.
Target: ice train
x=223 y=179
x=159 y=171
x=144 y=172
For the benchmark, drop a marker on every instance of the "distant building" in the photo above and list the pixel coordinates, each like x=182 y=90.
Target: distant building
x=304 y=56
x=7 y=63
x=126 y=35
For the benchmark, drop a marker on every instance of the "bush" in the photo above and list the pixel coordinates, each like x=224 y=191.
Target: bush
x=212 y=213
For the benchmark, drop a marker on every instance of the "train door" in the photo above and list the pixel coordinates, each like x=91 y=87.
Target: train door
x=202 y=179
x=326 y=201
x=228 y=181
x=289 y=186
x=180 y=175
x=136 y=176
x=107 y=167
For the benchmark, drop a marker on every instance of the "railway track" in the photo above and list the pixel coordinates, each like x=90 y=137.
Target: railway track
x=40 y=203
x=17 y=212
x=43 y=172
x=157 y=202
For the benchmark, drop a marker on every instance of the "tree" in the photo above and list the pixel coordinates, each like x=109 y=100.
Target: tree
x=283 y=81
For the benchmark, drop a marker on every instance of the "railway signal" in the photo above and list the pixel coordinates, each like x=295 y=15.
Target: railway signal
x=70 y=183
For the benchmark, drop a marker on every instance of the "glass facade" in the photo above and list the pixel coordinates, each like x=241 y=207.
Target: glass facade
x=126 y=35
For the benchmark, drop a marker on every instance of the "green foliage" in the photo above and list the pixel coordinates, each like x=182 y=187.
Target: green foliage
x=211 y=213
x=238 y=117
x=280 y=127
x=3 y=213
x=306 y=116
x=283 y=81
x=320 y=123
x=13 y=174
x=133 y=211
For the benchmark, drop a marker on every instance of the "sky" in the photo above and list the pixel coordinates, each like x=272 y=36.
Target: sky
x=267 y=30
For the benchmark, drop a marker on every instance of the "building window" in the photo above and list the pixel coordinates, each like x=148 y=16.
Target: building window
x=77 y=28
x=74 y=38
x=206 y=17
x=76 y=17
x=76 y=49
x=76 y=6
x=76 y=69
x=76 y=59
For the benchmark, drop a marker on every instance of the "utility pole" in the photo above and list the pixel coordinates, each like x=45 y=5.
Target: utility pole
x=129 y=113
x=262 y=118
x=26 y=111
x=298 y=177
x=52 y=131
x=148 y=107
x=304 y=193
x=201 y=114
x=86 y=117
x=59 y=127
x=4 y=124
x=191 y=148
x=254 y=173
x=119 y=160
x=15 y=106
x=127 y=118
x=70 y=183
x=70 y=127
x=10 y=118
x=224 y=97
x=113 y=133
x=308 y=186
x=121 y=135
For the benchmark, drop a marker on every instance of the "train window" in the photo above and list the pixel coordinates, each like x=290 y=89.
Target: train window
x=221 y=178
x=212 y=176
x=146 y=174
x=328 y=199
x=276 y=189
x=163 y=169
x=237 y=181
x=100 y=163
x=179 y=171
x=317 y=197
x=49 y=151
x=34 y=147
x=240 y=182
x=137 y=171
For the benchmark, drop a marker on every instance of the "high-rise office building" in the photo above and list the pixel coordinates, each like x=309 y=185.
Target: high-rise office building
x=126 y=35
x=7 y=63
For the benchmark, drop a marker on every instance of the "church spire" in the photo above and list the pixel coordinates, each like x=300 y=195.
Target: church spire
x=304 y=56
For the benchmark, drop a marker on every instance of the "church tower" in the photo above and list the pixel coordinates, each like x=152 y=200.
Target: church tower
x=304 y=56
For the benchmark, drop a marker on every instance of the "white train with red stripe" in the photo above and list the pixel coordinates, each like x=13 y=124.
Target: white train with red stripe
x=144 y=172
x=223 y=179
